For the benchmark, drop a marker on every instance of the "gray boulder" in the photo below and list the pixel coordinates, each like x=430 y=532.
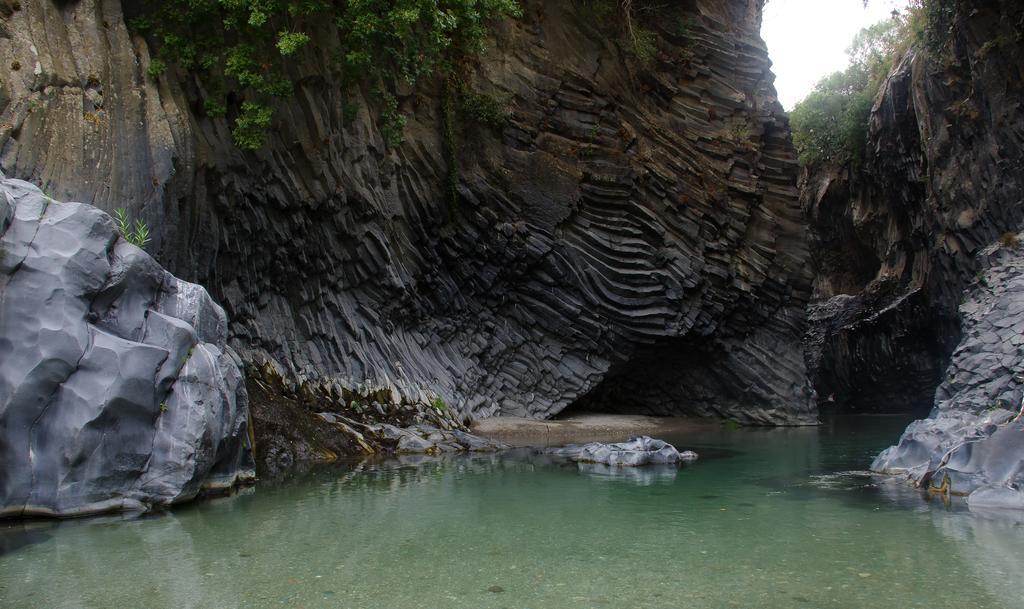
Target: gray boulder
x=117 y=391
x=972 y=443
x=642 y=450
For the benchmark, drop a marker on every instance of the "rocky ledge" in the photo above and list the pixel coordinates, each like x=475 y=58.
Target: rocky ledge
x=973 y=442
x=117 y=390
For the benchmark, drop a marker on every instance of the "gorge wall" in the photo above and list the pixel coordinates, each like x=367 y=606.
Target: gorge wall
x=631 y=240
x=896 y=236
x=972 y=442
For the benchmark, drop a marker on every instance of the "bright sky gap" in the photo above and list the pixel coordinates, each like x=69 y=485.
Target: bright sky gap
x=807 y=39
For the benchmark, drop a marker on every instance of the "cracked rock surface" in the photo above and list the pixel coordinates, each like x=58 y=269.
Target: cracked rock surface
x=117 y=390
x=973 y=442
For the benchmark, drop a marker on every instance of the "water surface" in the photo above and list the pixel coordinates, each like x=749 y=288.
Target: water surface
x=768 y=518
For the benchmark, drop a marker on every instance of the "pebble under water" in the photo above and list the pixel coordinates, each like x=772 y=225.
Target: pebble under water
x=768 y=518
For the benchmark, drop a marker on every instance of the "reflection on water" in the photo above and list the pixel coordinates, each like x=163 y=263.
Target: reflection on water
x=767 y=518
x=656 y=473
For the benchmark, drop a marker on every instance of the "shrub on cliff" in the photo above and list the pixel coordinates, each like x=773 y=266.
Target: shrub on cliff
x=245 y=47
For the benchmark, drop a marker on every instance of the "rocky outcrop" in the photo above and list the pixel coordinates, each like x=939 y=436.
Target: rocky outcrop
x=973 y=442
x=896 y=236
x=634 y=452
x=117 y=390
x=631 y=239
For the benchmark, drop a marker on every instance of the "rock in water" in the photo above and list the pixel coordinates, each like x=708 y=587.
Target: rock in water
x=973 y=441
x=117 y=391
x=642 y=450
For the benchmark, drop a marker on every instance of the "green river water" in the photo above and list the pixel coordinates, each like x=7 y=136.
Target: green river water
x=770 y=518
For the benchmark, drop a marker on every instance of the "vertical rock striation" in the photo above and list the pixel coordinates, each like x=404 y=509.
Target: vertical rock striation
x=973 y=442
x=896 y=238
x=631 y=239
x=117 y=390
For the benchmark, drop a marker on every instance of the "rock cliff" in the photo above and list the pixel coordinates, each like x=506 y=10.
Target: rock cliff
x=973 y=442
x=117 y=390
x=630 y=240
x=896 y=237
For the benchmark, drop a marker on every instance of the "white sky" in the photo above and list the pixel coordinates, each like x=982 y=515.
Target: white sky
x=807 y=39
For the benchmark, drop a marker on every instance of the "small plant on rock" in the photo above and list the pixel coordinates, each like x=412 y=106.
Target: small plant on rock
x=156 y=69
x=438 y=404
x=136 y=233
x=1009 y=239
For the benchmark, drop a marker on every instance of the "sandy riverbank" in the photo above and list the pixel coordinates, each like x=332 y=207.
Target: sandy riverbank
x=518 y=431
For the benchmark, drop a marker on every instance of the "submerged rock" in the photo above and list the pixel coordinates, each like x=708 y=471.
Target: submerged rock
x=973 y=441
x=642 y=450
x=117 y=390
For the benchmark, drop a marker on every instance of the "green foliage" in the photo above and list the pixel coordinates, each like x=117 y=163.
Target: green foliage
x=251 y=125
x=349 y=111
x=163 y=407
x=639 y=41
x=392 y=122
x=830 y=125
x=438 y=404
x=288 y=43
x=643 y=44
x=249 y=45
x=214 y=108
x=459 y=99
x=482 y=108
x=937 y=22
x=156 y=69
x=136 y=233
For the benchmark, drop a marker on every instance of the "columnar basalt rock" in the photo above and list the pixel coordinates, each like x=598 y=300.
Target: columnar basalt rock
x=973 y=442
x=117 y=390
x=896 y=237
x=632 y=236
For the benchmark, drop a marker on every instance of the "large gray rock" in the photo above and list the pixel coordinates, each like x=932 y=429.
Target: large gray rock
x=634 y=452
x=117 y=390
x=973 y=441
